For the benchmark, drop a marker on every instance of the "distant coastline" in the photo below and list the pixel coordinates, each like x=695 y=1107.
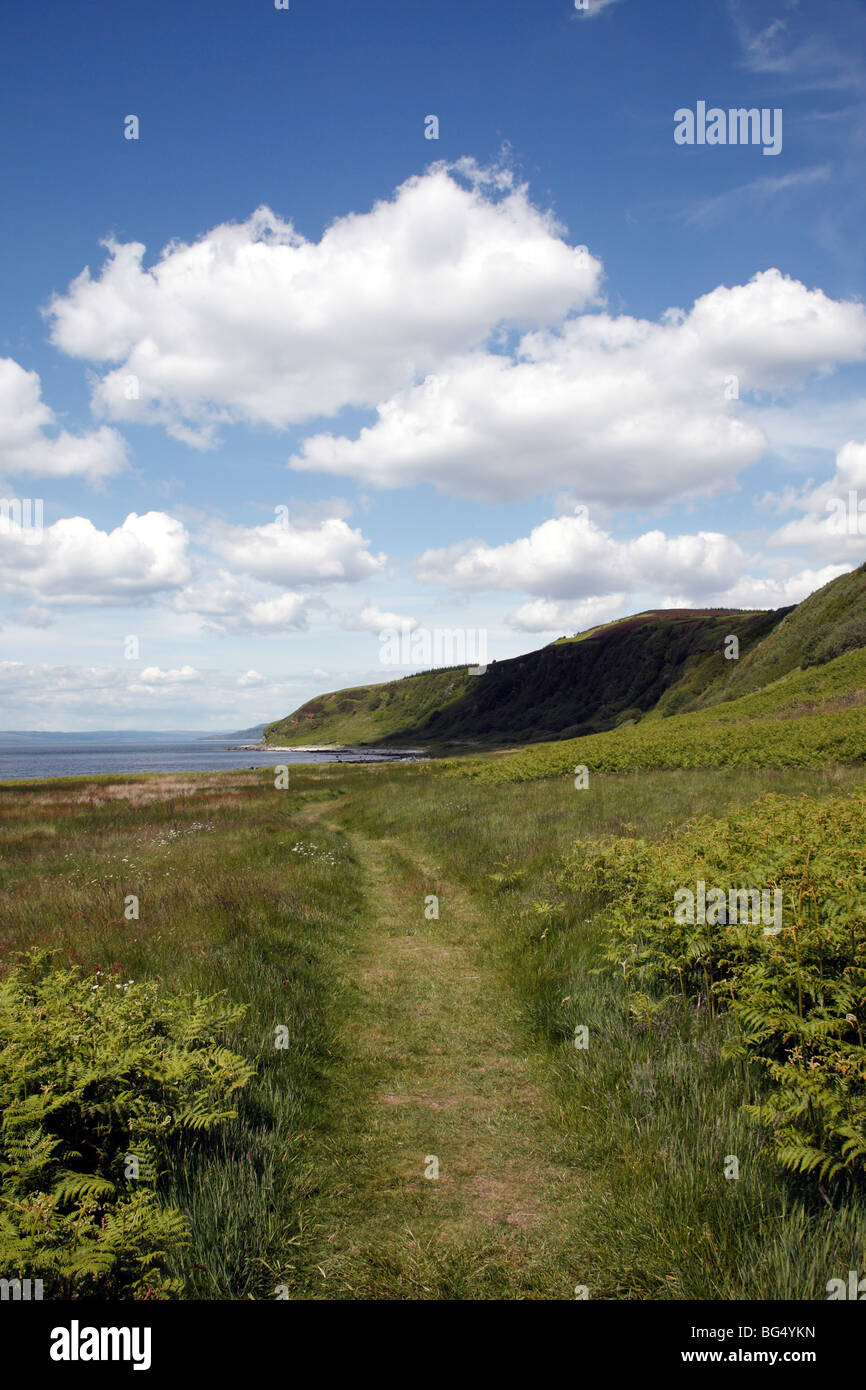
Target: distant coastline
x=46 y=756
x=363 y=753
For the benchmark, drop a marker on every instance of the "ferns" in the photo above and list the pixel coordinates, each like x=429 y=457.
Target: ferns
x=90 y=1075
x=798 y=998
x=811 y=719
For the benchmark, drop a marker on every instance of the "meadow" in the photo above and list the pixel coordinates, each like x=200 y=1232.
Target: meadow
x=398 y=1033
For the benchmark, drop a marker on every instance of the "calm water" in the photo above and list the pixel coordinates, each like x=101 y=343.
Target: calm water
x=81 y=760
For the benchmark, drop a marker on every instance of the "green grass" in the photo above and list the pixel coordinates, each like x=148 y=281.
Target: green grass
x=643 y=1124
x=225 y=905
x=370 y=713
x=805 y=720
x=795 y=639
x=410 y=1036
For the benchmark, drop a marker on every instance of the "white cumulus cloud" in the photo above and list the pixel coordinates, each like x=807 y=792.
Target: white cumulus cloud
x=73 y=562
x=331 y=552
x=31 y=444
x=571 y=557
x=833 y=524
x=546 y=615
x=225 y=604
x=611 y=407
x=181 y=675
x=373 y=619
x=762 y=591
x=254 y=323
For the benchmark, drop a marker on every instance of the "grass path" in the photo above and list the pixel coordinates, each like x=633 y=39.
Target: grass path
x=435 y=1067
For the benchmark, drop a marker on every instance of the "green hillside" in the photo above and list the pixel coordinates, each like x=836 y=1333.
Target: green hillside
x=807 y=719
x=371 y=714
x=611 y=675
x=827 y=623
x=647 y=668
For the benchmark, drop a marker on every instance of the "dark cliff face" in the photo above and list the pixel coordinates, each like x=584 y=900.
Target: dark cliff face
x=582 y=687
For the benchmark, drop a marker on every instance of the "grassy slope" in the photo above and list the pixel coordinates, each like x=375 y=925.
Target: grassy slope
x=662 y=662
x=577 y=688
x=649 y=615
x=568 y=688
x=783 y=650
x=805 y=719
x=369 y=713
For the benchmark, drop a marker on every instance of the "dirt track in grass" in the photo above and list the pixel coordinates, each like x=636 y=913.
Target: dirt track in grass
x=436 y=1068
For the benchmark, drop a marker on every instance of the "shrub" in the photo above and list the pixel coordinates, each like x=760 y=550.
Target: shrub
x=844 y=638
x=92 y=1073
x=629 y=716
x=798 y=999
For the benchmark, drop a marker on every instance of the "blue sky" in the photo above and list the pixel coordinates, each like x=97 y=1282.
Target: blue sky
x=282 y=372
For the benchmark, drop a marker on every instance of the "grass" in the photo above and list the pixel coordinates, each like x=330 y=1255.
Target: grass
x=643 y=1125
x=224 y=904
x=371 y=713
x=411 y=1036
x=810 y=719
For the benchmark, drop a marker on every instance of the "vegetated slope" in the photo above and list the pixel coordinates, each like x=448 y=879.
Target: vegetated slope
x=611 y=675
x=807 y=719
x=826 y=624
x=371 y=713
x=660 y=663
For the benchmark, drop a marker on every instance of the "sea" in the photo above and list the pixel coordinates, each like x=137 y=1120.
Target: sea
x=29 y=756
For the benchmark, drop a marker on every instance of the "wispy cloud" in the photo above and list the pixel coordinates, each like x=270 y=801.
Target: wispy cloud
x=760 y=191
x=810 y=63
x=590 y=8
